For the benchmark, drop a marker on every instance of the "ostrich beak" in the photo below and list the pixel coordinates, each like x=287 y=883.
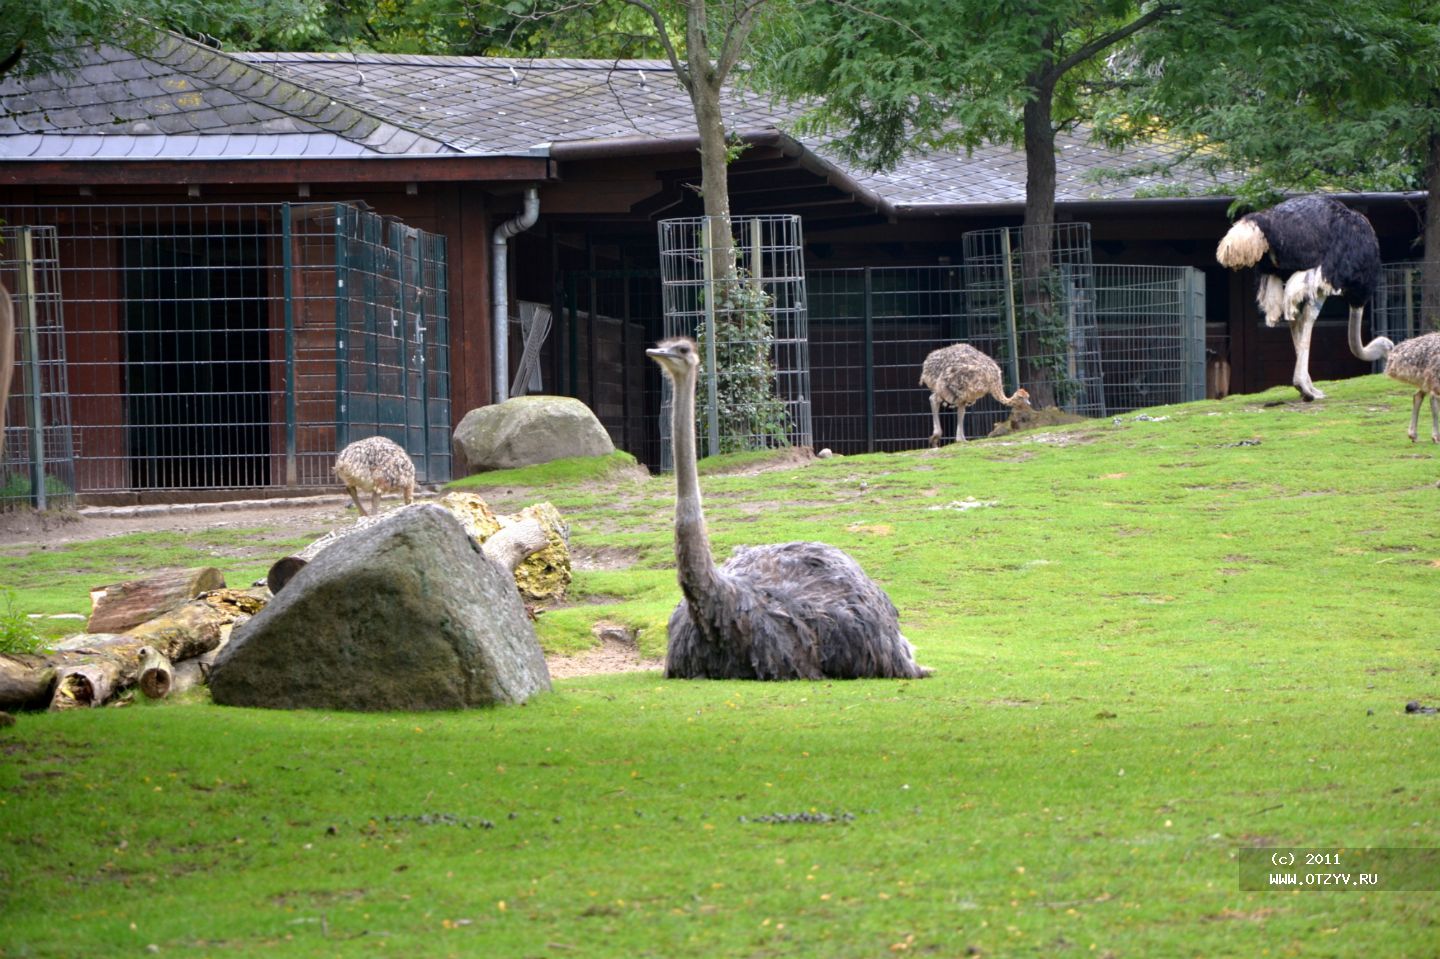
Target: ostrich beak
x=661 y=353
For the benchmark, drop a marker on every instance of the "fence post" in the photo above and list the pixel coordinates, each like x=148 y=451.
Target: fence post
x=33 y=382
x=1195 y=333
x=292 y=474
x=342 y=330
x=423 y=368
x=869 y=361
x=1011 y=338
x=712 y=381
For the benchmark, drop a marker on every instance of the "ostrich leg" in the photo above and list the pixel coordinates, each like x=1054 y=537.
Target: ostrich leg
x=960 y=423
x=1415 y=414
x=1434 y=419
x=1300 y=333
x=935 y=414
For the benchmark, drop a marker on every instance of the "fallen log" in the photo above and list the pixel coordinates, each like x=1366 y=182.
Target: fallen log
x=88 y=684
x=157 y=675
x=123 y=606
x=25 y=681
x=184 y=632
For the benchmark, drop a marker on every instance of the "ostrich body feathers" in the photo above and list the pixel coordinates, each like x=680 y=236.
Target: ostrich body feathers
x=1416 y=361
x=791 y=611
x=1307 y=233
x=960 y=374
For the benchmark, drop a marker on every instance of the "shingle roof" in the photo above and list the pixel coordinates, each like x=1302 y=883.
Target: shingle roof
x=186 y=100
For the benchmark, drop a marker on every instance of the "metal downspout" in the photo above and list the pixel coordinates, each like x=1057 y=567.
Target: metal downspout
x=500 y=299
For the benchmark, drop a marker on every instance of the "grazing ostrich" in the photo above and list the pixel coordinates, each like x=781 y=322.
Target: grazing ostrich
x=1304 y=250
x=378 y=465
x=792 y=611
x=958 y=376
x=1417 y=361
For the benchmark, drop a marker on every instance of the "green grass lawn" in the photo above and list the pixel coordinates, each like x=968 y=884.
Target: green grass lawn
x=1158 y=642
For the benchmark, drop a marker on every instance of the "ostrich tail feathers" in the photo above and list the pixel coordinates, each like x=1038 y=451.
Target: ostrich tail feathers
x=1243 y=246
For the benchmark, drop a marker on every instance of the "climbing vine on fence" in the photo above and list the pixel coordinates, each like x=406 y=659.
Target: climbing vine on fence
x=750 y=415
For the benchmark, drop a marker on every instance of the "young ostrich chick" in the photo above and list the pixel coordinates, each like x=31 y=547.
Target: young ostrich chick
x=789 y=611
x=958 y=376
x=1417 y=361
x=378 y=465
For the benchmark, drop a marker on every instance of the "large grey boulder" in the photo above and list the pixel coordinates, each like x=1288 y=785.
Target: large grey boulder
x=525 y=431
x=405 y=614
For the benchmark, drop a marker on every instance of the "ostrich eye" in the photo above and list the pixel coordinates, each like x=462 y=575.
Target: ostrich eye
x=684 y=349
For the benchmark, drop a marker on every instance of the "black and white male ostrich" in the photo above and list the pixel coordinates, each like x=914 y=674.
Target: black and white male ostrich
x=959 y=375
x=1417 y=361
x=1303 y=250
x=791 y=611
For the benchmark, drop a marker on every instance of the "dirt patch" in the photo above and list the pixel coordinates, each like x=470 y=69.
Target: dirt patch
x=74 y=526
x=618 y=652
x=603 y=557
x=785 y=459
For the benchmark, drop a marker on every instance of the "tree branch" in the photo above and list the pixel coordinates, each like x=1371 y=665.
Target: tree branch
x=1110 y=39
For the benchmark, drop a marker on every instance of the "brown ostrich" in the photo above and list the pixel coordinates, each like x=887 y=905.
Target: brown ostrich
x=958 y=376
x=790 y=611
x=1417 y=361
x=378 y=465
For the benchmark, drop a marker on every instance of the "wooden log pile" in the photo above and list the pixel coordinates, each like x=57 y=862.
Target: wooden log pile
x=156 y=635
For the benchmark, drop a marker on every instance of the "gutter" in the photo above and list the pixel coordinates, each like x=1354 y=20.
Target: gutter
x=500 y=284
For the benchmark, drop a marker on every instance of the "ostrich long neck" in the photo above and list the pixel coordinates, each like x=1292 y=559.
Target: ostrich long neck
x=1376 y=349
x=999 y=394
x=699 y=579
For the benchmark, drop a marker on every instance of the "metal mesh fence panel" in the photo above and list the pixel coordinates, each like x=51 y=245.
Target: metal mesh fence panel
x=870 y=331
x=1398 y=310
x=754 y=392
x=37 y=455
x=1150 y=321
x=1029 y=303
x=610 y=317
x=240 y=346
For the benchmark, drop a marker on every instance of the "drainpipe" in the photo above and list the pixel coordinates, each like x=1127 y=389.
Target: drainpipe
x=500 y=298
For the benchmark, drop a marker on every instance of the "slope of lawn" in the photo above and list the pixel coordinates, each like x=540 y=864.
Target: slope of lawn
x=1156 y=642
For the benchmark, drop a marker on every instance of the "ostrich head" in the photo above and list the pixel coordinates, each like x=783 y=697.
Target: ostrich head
x=1021 y=399
x=1243 y=246
x=678 y=357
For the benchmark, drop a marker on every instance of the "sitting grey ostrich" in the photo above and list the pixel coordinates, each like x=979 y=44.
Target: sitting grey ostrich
x=959 y=375
x=1303 y=250
x=792 y=611
x=1417 y=361
x=378 y=465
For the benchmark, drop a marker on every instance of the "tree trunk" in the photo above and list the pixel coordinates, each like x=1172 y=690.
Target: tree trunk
x=1430 y=266
x=156 y=673
x=25 y=681
x=7 y=356
x=123 y=606
x=88 y=684
x=182 y=633
x=1036 y=269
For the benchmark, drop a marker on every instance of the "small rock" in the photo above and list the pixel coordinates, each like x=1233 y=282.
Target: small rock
x=825 y=454
x=1414 y=707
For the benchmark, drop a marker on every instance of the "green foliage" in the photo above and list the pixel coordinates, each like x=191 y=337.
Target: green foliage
x=16 y=490
x=1300 y=95
x=1132 y=682
x=17 y=633
x=749 y=414
x=891 y=76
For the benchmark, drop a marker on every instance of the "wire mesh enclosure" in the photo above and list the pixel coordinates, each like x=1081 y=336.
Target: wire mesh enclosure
x=870 y=331
x=1399 y=304
x=754 y=392
x=37 y=456
x=240 y=346
x=1029 y=302
x=1150 y=321
x=608 y=318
